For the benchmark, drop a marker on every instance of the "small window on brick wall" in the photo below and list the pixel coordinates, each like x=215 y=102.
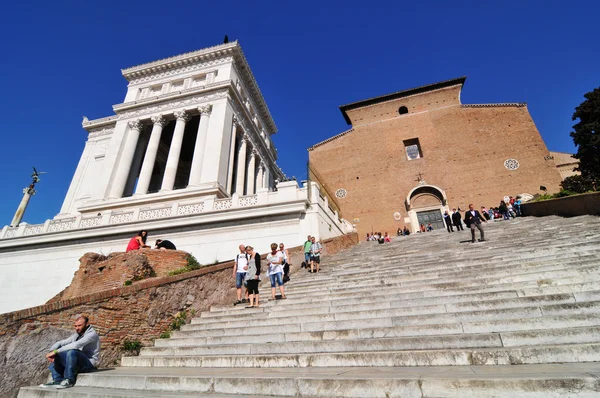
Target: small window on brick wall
x=413 y=149
x=402 y=110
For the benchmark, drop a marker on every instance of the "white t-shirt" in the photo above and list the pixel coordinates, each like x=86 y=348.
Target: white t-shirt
x=242 y=261
x=274 y=268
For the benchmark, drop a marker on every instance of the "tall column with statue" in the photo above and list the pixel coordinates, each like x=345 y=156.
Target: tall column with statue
x=27 y=194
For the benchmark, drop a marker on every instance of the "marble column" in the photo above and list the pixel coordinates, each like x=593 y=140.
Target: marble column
x=241 y=167
x=159 y=122
x=174 y=151
x=232 y=142
x=268 y=178
x=251 y=173
x=124 y=166
x=200 y=145
x=260 y=179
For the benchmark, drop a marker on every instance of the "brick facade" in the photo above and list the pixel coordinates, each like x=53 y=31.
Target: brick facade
x=463 y=147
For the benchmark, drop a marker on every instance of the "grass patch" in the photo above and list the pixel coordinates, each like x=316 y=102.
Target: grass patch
x=192 y=264
x=133 y=347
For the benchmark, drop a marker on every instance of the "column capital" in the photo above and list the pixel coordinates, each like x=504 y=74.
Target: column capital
x=253 y=154
x=183 y=115
x=205 y=109
x=245 y=138
x=135 y=125
x=262 y=166
x=160 y=120
x=236 y=121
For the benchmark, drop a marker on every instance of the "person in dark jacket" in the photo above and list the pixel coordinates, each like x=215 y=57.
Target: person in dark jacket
x=164 y=244
x=448 y=221
x=456 y=219
x=473 y=219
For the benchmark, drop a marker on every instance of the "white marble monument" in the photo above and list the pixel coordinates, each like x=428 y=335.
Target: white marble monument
x=187 y=156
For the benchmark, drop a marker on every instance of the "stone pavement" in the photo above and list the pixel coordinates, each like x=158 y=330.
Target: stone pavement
x=429 y=315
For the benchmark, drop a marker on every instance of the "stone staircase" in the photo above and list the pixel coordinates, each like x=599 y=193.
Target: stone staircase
x=429 y=315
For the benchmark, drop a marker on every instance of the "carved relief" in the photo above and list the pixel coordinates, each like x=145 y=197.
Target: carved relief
x=90 y=222
x=101 y=132
x=169 y=106
x=135 y=125
x=120 y=218
x=205 y=110
x=155 y=213
x=160 y=120
x=183 y=115
x=190 y=209
x=11 y=233
x=246 y=201
x=33 y=229
x=177 y=71
x=223 y=204
x=61 y=225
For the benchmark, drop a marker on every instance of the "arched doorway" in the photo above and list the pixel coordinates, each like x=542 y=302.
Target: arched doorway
x=426 y=204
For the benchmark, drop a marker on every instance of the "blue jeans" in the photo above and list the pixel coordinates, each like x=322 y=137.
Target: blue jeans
x=307 y=257
x=240 y=278
x=68 y=364
x=276 y=278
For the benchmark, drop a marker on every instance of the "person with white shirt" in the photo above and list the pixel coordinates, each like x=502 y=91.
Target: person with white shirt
x=275 y=270
x=240 y=267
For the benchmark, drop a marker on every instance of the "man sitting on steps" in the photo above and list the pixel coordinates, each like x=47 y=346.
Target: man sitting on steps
x=77 y=354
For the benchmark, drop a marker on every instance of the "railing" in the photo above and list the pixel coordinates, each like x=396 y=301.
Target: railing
x=285 y=192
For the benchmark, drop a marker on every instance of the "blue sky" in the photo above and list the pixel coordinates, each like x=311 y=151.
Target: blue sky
x=61 y=60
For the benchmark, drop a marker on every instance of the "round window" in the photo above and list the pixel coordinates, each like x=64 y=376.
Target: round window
x=511 y=164
x=397 y=216
x=341 y=193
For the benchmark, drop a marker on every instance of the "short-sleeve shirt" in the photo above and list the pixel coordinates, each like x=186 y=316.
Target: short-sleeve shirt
x=314 y=249
x=274 y=268
x=241 y=261
x=307 y=246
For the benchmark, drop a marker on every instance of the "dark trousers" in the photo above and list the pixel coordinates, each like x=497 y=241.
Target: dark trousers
x=459 y=227
x=478 y=226
x=449 y=227
x=68 y=364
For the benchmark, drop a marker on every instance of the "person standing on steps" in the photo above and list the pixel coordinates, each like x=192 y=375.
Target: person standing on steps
x=275 y=270
x=448 y=221
x=473 y=219
x=240 y=267
x=315 y=254
x=80 y=353
x=286 y=264
x=457 y=220
x=307 y=245
x=253 y=277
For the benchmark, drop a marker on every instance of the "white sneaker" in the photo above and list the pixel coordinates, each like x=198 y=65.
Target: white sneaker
x=66 y=383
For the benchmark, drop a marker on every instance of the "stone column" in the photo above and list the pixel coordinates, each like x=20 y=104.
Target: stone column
x=267 y=178
x=159 y=122
x=200 y=145
x=260 y=179
x=174 y=151
x=124 y=166
x=251 y=173
x=232 y=142
x=241 y=167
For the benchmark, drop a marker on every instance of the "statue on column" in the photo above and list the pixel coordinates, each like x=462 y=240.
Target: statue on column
x=27 y=194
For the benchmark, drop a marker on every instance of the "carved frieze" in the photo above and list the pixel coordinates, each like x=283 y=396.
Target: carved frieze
x=187 y=68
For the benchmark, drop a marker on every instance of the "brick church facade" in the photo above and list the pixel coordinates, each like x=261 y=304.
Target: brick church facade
x=413 y=154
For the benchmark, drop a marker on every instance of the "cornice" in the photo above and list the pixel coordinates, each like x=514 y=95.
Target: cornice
x=178 y=61
x=101 y=132
x=330 y=139
x=104 y=121
x=506 y=104
x=176 y=94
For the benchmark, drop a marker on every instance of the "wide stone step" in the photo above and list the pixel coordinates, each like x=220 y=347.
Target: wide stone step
x=109 y=392
x=349 y=313
x=183 y=339
x=454 y=357
x=525 y=381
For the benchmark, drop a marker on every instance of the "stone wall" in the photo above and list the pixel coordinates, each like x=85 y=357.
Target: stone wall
x=97 y=273
x=570 y=206
x=138 y=312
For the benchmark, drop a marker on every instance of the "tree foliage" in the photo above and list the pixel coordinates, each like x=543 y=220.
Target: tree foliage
x=578 y=184
x=586 y=136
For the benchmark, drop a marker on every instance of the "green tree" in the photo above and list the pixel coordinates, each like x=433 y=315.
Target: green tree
x=587 y=137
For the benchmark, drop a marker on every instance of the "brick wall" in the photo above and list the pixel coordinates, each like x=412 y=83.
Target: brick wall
x=141 y=311
x=97 y=273
x=464 y=149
